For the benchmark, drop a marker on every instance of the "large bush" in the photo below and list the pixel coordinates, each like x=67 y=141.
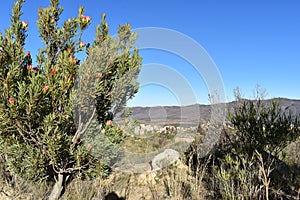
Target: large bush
x=46 y=110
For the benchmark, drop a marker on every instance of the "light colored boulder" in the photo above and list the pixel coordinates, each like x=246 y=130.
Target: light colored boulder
x=162 y=160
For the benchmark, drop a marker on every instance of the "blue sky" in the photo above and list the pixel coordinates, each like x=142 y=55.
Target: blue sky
x=251 y=42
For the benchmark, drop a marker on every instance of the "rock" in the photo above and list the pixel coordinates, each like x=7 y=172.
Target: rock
x=167 y=130
x=143 y=129
x=184 y=138
x=163 y=159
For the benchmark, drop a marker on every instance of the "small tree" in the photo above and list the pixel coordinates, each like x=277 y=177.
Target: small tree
x=44 y=111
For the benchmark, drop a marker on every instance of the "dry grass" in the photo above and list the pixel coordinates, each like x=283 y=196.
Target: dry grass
x=176 y=182
x=22 y=190
x=173 y=183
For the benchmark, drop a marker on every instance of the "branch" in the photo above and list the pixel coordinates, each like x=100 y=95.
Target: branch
x=79 y=131
x=69 y=170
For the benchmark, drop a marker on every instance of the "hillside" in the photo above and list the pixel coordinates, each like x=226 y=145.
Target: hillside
x=192 y=114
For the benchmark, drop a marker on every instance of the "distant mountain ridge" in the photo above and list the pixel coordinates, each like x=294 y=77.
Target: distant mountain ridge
x=192 y=114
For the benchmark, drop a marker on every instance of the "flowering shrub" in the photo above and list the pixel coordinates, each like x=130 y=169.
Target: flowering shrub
x=114 y=132
x=41 y=137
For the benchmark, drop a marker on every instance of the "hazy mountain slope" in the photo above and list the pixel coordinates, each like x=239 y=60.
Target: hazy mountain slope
x=194 y=113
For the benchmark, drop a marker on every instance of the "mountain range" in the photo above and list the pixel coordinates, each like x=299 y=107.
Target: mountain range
x=192 y=114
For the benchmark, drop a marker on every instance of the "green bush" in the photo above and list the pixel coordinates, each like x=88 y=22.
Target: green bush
x=246 y=163
x=49 y=111
x=263 y=127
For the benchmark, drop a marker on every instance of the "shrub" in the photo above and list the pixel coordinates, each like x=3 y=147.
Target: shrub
x=246 y=163
x=263 y=126
x=45 y=111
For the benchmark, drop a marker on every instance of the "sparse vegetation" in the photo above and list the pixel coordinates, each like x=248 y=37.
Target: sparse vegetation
x=53 y=147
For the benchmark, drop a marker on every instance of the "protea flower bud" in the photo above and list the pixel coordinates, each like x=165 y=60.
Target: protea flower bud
x=86 y=19
x=52 y=20
x=30 y=67
x=72 y=59
x=45 y=88
x=24 y=24
x=127 y=26
x=11 y=100
x=109 y=123
x=82 y=44
x=53 y=71
x=99 y=75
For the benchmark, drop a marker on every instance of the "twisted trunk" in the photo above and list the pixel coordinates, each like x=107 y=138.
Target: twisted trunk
x=58 y=187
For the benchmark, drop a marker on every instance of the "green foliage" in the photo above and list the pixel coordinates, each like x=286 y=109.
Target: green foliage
x=247 y=161
x=114 y=132
x=41 y=130
x=247 y=164
x=117 y=78
x=263 y=126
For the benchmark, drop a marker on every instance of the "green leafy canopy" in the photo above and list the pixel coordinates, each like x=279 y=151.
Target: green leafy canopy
x=45 y=109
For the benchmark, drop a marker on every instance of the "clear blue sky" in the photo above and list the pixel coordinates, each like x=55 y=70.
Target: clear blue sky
x=251 y=42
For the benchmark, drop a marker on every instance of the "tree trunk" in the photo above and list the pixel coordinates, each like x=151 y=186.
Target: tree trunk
x=57 y=188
